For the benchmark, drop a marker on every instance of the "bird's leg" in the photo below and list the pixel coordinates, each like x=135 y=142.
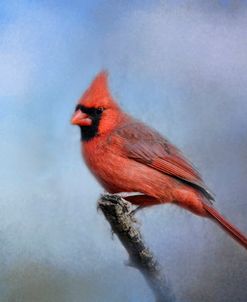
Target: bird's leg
x=124 y=194
x=137 y=209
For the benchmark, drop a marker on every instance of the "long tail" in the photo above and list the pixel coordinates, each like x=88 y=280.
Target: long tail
x=227 y=226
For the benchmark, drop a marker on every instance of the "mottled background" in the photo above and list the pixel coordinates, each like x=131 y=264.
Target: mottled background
x=180 y=66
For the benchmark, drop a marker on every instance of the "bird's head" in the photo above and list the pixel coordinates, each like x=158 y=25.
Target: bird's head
x=96 y=112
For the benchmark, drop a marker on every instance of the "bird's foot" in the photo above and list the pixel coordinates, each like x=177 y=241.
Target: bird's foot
x=122 y=194
x=137 y=209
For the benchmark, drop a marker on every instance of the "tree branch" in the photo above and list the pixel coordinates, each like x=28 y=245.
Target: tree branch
x=117 y=212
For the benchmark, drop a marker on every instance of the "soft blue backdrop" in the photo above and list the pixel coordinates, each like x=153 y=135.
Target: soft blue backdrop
x=180 y=66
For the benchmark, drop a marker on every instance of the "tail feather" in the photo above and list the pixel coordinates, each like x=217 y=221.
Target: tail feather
x=227 y=226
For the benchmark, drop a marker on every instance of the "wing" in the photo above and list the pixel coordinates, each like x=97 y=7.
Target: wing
x=145 y=145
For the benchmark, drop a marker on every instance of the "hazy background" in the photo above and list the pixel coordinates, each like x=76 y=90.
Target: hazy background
x=180 y=66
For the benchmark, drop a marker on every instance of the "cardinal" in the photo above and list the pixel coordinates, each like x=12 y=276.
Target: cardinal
x=127 y=156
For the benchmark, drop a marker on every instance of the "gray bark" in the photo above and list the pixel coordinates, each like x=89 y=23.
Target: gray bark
x=117 y=212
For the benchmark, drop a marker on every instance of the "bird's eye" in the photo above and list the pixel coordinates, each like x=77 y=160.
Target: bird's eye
x=99 y=110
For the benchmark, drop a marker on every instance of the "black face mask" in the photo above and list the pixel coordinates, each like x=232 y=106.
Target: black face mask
x=89 y=132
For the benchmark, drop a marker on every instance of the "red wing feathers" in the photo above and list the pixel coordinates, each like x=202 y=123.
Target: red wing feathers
x=147 y=146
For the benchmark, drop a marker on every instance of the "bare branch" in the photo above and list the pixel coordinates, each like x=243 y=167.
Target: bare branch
x=117 y=212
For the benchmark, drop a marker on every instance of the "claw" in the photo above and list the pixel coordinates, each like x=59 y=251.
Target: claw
x=122 y=194
x=137 y=209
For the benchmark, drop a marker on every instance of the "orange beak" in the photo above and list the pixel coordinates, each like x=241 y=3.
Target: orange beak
x=81 y=119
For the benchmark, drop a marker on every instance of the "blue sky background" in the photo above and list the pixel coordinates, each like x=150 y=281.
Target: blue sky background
x=180 y=66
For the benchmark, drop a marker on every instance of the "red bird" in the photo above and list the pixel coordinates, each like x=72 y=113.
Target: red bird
x=125 y=155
